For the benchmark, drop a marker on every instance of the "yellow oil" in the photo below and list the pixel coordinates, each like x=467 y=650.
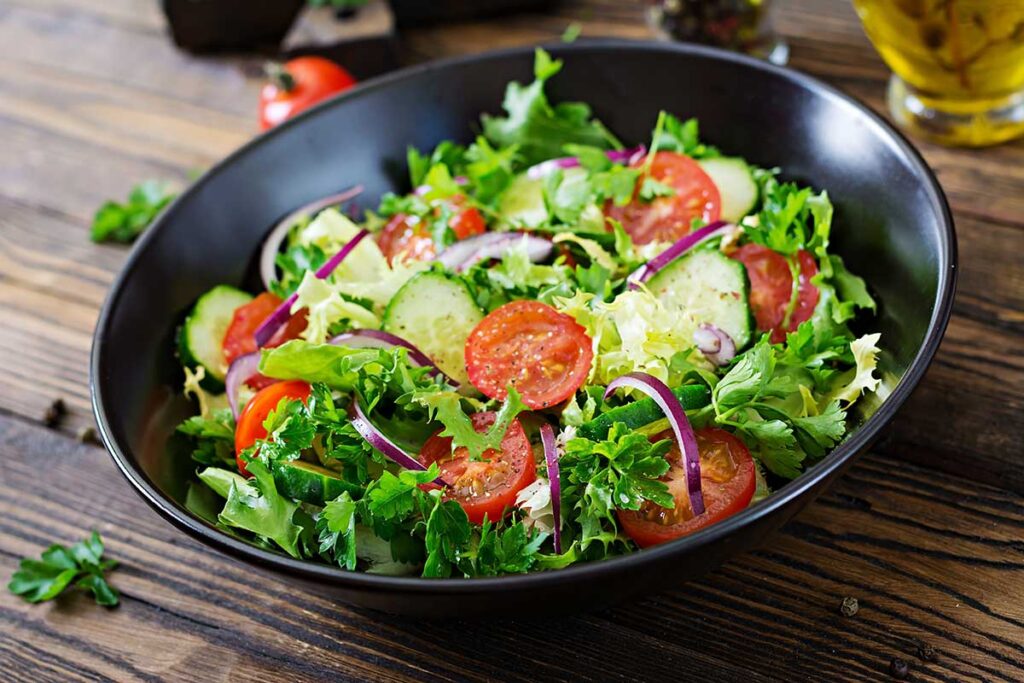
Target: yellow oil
x=961 y=63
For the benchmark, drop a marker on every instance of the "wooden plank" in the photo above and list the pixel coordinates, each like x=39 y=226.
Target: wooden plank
x=932 y=562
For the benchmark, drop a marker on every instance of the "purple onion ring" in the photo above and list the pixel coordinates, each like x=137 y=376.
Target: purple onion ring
x=673 y=410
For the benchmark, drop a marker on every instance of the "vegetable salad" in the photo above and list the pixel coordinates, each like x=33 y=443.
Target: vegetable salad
x=554 y=349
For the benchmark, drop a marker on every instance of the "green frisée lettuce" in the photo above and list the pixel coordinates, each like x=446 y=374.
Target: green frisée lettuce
x=446 y=408
x=538 y=129
x=351 y=468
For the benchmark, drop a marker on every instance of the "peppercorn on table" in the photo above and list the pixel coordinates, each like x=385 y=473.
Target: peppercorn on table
x=911 y=567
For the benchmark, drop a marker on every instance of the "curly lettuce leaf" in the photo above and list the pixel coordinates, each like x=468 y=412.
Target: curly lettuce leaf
x=539 y=129
x=854 y=382
x=325 y=308
x=446 y=408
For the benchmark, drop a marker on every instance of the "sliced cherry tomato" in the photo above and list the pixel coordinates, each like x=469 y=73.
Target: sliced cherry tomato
x=250 y=422
x=771 y=287
x=727 y=481
x=544 y=354
x=666 y=219
x=467 y=223
x=240 y=338
x=408 y=238
x=487 y=487
x=299 y=84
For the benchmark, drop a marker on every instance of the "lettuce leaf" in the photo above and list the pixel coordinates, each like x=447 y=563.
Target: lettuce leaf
x=851 y=384
x=325 y=308
x=260 y=509
x=539 y=129
x=446 y=408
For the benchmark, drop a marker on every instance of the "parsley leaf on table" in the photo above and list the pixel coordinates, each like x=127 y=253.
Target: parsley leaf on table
x=59 y=567
x=116 y=222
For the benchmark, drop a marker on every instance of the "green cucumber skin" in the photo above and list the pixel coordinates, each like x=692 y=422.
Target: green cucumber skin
x=213 y=381
x=309 y=483
x=735 y=182
x=187 y=360
x=663 y=286
x=642 y=412
x=437 y=320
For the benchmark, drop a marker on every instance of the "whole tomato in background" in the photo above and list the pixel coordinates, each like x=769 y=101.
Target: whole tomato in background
x=297 y=85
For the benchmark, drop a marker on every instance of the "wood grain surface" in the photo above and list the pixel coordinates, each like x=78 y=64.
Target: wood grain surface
x=927 y=531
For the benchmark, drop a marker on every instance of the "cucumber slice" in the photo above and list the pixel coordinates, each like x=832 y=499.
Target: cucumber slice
x=642 y=412
x=522 y=202
x=309 y=483
x=201 y=339
x=706 y=286
x=436 y=313
x=735 y=184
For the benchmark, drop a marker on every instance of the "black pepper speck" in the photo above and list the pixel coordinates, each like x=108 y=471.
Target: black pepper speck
x=898 y=668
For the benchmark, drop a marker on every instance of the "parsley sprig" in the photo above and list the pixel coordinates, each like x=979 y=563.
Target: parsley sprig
x=620 y=472
x=60 y=567
x=116 y=222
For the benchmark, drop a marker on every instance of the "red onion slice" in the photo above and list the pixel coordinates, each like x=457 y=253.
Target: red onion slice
x=242 y=368
x=678 y=248
x=378 y=441
x=378 y=339
x=716 y=344
x=670 y=406
x=547 y=438
x=460 y=256
x=617 y=156
x=277 y=235
x=282 y=313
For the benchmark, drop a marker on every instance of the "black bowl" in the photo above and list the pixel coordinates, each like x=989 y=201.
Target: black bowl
x=893 y=226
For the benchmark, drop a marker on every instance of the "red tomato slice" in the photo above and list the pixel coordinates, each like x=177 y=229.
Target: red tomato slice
x=727 y=481
x=487 y=487
x=408 y=237
x=666 y=219
x=544 y=354
x=250 y=422
x=771 y=286
x=240 y=338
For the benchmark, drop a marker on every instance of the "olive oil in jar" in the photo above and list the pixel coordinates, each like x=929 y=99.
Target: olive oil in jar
x=958 y=65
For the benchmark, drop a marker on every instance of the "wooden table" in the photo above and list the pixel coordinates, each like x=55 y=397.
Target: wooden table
x=927 y=531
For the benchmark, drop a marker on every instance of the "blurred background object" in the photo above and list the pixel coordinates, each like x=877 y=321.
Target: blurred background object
x=214 y=25
x=958 y=66
x=741 y=25
x=357 y=33
x=417 y=12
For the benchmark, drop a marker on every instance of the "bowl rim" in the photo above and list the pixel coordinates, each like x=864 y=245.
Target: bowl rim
x=841 y=456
